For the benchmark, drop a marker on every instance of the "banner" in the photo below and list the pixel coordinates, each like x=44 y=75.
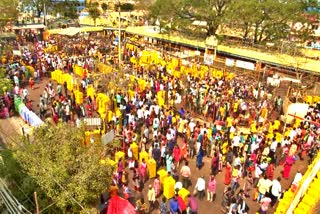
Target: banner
x=208 y=59
x=92 y=121
x=108 y=137
x=245 y=65
x=229 y=62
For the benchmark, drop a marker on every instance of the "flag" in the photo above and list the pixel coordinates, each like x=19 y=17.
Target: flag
x=118 y=205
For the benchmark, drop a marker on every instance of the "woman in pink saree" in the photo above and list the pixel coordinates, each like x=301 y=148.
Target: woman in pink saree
x=143 y=171
x=287 y=166
x=157 y=186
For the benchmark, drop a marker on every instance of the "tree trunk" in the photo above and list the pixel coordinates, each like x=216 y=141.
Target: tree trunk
x=256 y=29
x=39 y=12
x=212 y=29
x=261 y=34
x=246 y=32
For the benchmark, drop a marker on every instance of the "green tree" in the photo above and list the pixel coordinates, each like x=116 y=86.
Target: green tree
x=66 y=169
x=127 y=7
x=66 y=9
x=162 y=13
x=5 y=83
x=8 y=12
x=94 y=11
x=104 y=6
x=184 y=12
x=22 y=185
x=38 y=5
x=265 y=20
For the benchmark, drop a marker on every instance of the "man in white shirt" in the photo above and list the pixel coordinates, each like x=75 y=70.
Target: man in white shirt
x=285 y=142
x=156 y=109
x=191 y=126
x=140 y=113
x=273 y=148
x=146 y=113
x=204 y=129
x=236 y=141
x=200 y=187
x=198 y=145
x=130 y=118
x=297 y=178
x=275 y=191
x=169 y=135
x=293 y=133
x=273 y=145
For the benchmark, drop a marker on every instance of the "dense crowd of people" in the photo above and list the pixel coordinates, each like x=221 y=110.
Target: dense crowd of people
x=174 y=135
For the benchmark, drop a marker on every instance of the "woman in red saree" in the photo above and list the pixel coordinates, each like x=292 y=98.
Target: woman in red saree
x=287 y=166
x=177 y=154
x=227 y=175
x=184 y=153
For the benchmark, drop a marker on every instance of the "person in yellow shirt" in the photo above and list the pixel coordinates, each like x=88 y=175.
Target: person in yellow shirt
x=174 y=120
x=229 y=122
x=235 y=107
x=263 y=186
x=271 y=127
x=222 y=111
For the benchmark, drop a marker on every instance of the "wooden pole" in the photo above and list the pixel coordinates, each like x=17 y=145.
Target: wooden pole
x=36 y=202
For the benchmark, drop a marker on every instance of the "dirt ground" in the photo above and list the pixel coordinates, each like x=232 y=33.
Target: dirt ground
x=204 y=206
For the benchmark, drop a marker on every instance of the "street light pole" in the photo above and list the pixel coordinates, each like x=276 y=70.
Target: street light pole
x=119 y=37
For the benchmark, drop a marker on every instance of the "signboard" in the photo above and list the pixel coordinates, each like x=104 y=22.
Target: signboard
x=245 y=65
x=92 y=121
x=16 y=52
x=208 y=59
x=229 y=62
x=108 y=137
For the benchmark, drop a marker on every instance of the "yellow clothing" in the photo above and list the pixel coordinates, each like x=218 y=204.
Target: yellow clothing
x=276 y=124
x=174 y=120
x=271 y=128
x=264 y=113
x=222 y=111
x=253 y=128
x=225 y=147
x=235 y=107
x=181 y=126
x=235 y=172
x=229 y=122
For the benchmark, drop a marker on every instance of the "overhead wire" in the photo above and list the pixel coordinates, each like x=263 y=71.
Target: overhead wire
x=10 y=204
x=6 y=202
x=12 y=198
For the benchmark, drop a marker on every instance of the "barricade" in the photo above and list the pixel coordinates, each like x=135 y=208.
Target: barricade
x=162 y=175
x=79 y=97
x=143 y=155
x=135 y=150
x=152 y=168
x=168 y=187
